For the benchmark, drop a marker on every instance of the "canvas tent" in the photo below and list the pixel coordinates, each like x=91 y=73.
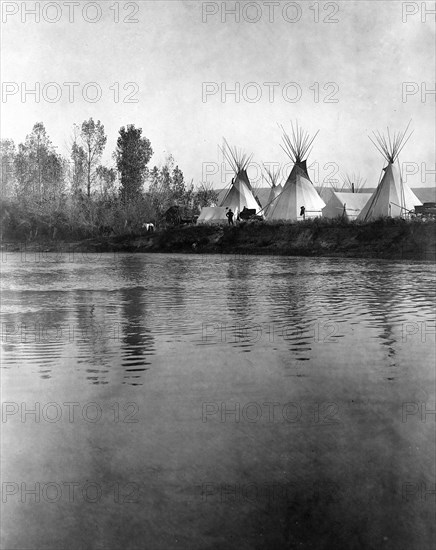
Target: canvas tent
x=240 y=194
x=298 y=190
x=272 y=177
x=346 y=205
x=212 y=214
x=393 y=197
x=274 y=193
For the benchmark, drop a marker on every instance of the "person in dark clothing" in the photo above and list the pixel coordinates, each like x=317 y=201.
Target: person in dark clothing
x=230 y=216
x=303 y=212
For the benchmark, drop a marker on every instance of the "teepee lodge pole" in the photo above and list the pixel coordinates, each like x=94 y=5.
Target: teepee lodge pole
x=299 y=145
x=354 y=182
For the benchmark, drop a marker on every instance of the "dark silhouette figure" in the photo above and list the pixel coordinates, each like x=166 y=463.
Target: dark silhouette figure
x=303 y=212
x=229 y=216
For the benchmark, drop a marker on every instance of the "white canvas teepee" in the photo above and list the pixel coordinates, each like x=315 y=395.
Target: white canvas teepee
x=345 y=205
x=240 y=194
x=298 y=190
x=393 y=197
x=272 y=177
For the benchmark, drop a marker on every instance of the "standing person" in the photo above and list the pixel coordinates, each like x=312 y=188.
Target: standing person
x=230 y=216
x=303 y=212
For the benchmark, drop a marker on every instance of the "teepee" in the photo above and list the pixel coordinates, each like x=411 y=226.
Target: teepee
x=345 y=205
x=271 y=177
x=393 y=197
x=240 y=193
x=298 y=190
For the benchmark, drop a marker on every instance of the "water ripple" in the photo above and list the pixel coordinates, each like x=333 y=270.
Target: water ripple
x=108 y=318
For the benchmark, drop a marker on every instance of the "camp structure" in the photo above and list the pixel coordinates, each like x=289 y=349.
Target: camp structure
x=212 y=214
x=393 y=197
x=271 y=177
x=353 y=183
x=345 y=205
x=256 y=189
x=240 y=194
x=347 y=201
x=298 y=190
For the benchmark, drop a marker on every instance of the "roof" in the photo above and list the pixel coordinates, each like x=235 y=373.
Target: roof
x=351 y=200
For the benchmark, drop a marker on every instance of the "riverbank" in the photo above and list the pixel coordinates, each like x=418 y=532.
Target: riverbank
x=388 y=238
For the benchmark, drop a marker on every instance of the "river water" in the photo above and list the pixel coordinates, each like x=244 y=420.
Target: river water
x=217 y=402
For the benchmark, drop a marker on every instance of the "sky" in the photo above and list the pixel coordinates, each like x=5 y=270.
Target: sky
x=345 y=68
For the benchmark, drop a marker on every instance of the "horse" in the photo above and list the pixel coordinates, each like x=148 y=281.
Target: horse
x=149 y=227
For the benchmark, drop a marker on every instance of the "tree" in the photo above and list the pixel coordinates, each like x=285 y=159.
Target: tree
x=106 y=177
x=38 y=167
x=132 y=155
x=205 y=195
x=168 y=188
x=154 y=177
x=7 y=154
x=178 y=185
x=78 y=163
x=94 y=141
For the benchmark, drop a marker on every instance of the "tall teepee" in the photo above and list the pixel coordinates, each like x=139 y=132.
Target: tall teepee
x=240 y=193
x=298 y=190
x=393 y=197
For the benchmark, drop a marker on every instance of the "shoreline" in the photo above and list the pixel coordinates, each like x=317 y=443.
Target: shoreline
x=391 y=239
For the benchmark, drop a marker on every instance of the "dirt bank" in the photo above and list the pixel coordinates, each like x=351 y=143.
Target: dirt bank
x=390 y=239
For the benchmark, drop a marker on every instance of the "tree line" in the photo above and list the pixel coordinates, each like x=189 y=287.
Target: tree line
x=48 y=195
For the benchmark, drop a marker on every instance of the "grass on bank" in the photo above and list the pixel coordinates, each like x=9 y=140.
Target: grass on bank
x=70 y=221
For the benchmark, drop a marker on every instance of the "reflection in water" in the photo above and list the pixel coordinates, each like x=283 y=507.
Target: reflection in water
x=240 y=318
x=298 y=307
x=93 y=336
x=133 y=335
x=171 y=289
x=293 y=319
x=382 y=302
x=137 y=342
x=36 y=336
x=240 y=298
